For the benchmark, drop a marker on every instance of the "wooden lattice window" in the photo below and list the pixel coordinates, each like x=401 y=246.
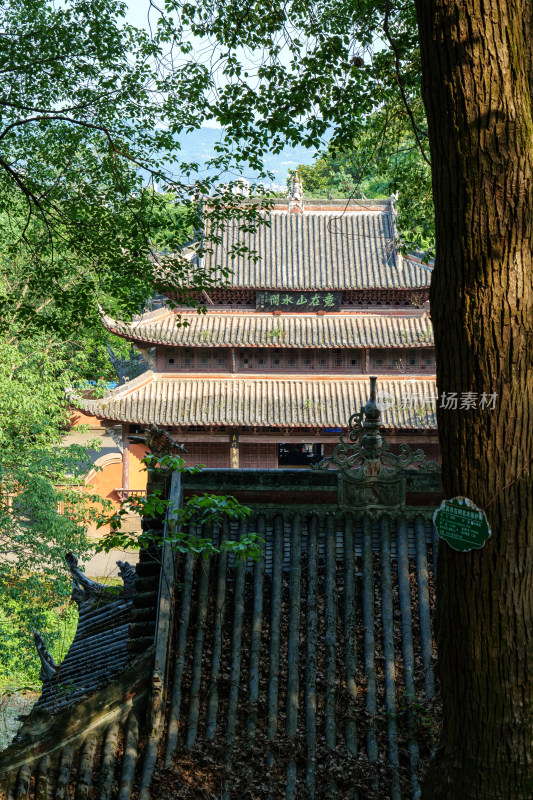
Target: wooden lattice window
x=427 y=360
x=187 y=359
x=232 y=297
x=276 y=359
x=196 y=358
x=204 y=359
x=217 y=297
x=220 y=360
x=380 y=360
x=423 y=360
x=384 y=297
x=338 y=360
x=290 y=360
x=354 y=361
x=210 y=454
x=246 y=360
x=397 y=360
x=258 y=456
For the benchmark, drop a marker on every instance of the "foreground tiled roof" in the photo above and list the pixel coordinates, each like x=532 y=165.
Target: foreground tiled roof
x=298 y=664
x=316 y=251
x=88 y=710
x=287 y=330
x=102 y=642
x=300 y=675
x=263 y=402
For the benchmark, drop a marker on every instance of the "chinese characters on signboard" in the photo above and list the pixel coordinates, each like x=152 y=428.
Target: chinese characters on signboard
x=462 y=524
x=298 y=301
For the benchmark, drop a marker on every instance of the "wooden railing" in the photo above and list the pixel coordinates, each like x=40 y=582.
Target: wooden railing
x=125 y=493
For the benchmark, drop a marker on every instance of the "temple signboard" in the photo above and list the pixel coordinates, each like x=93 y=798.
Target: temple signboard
x=462 y=524
x=298 y=301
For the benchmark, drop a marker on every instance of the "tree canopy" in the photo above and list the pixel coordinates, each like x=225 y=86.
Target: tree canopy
x=95 y=206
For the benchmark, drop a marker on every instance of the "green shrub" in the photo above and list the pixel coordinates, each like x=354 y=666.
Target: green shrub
x=20 y=611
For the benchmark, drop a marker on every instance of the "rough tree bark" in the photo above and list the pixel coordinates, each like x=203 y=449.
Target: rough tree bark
x=477 y=65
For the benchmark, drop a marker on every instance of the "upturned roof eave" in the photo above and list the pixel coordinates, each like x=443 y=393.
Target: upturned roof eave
x=260 y=401
x=145 y=331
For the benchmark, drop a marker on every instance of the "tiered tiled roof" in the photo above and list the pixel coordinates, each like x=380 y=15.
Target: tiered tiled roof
x=328 y=248
x=345 y=249
x=287 y=330
x=263 y=401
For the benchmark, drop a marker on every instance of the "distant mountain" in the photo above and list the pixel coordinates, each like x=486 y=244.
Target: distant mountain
x=199 y=147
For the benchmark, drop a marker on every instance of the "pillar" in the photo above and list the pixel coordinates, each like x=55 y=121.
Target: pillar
x=125 y=457
x=364 y=360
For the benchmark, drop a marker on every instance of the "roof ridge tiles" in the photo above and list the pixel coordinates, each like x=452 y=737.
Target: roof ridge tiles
x=306 y=252
x=270 y=400
x=296 y=330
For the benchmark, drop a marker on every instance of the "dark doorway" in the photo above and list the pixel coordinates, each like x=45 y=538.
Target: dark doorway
x=299 y=455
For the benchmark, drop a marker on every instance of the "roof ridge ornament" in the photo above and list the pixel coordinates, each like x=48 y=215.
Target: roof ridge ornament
x=128 y=573
x=158 y=441
x=296 y=194
x=371 y=477
x=83 y=588
x=397 y=241
x=127 y=368
x=49 y=668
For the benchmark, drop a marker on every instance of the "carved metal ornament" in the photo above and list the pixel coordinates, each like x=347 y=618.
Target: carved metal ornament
x=371 y=476
x=49 y=668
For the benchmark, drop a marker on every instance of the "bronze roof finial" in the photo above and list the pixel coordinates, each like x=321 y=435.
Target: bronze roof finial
x=372 y=441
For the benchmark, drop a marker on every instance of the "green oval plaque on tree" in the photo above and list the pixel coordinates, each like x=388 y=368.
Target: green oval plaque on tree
x=462 y=524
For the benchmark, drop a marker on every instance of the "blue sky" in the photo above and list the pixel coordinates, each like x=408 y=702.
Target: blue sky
x=198 y=147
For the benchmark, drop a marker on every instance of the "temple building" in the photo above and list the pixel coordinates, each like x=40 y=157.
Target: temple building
x=269 y=376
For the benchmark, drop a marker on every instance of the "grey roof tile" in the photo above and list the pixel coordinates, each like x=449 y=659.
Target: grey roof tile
x=291 y=330
x=261 y=401
x=314 y=251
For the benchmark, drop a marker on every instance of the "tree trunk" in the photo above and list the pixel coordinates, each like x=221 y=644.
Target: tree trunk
x=476 y=65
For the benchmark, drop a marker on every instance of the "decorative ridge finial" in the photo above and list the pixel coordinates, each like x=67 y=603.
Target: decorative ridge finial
x=128 y=574
x=372 y=441
x=49 y=668
x=83 y=588
x=365 y=450
x=296 y=194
